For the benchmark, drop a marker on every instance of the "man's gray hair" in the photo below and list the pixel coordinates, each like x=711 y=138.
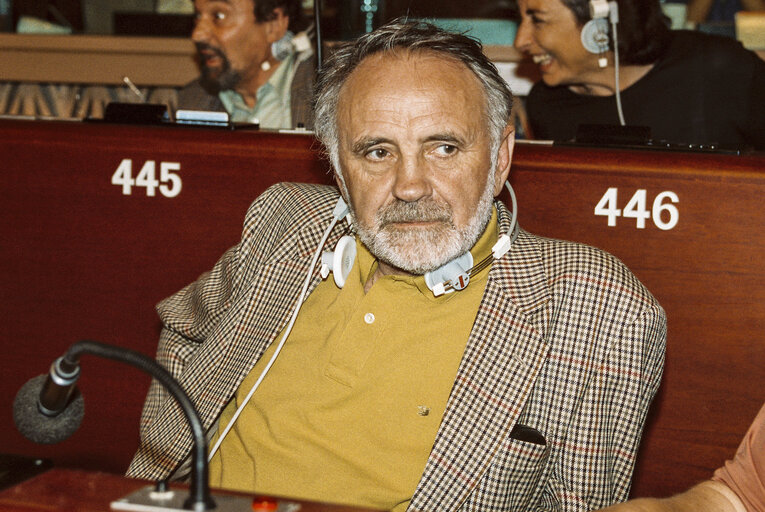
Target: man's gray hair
x=413 y=36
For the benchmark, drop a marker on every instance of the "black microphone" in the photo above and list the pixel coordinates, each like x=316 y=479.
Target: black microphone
x=49 y=408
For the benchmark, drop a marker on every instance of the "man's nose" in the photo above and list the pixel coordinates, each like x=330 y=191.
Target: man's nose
x=201 y=32
x=412 y=180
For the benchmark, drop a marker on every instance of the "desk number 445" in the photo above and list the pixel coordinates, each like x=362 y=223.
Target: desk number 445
x=663 y=212
x=169 y=183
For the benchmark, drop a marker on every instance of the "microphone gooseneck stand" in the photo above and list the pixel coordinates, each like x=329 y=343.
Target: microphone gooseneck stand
x=199 y=498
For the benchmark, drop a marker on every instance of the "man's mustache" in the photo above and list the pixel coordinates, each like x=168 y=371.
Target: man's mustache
x=204 y=48
x=419 y=211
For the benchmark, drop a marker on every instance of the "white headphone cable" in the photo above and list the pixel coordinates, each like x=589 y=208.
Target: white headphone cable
x=340 y=211
x=613 y=16
x=514 y=211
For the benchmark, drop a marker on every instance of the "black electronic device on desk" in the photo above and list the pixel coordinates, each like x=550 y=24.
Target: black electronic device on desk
x=203 y=118
x=155 y=113
x=635 y=137
x=135 y=113
x=158 y=114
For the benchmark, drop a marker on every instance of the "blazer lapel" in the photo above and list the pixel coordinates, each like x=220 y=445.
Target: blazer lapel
x=262 y=316
x=256 y=318
x=502 y=359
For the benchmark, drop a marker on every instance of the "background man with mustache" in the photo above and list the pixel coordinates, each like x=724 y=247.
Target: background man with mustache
x=240 y=73
x=523 y=388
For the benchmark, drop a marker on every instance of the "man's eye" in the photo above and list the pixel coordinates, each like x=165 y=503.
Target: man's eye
x=377 y=154
x=219 y=16
x=446 y=150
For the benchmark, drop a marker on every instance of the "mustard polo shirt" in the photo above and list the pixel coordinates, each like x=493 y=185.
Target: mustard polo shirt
x=350 y=409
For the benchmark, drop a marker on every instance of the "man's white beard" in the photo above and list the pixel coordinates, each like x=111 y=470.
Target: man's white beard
x=420 y=250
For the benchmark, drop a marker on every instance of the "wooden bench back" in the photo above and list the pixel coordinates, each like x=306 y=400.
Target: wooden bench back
x=85 y=259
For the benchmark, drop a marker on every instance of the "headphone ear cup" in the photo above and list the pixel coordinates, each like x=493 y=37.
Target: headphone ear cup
x=282 y=48
x=594 y=36
x=340 y=261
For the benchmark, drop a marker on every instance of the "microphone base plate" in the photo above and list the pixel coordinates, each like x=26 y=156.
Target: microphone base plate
x=147 y=499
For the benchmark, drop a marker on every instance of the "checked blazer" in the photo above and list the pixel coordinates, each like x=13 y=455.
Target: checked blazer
x=548 y=405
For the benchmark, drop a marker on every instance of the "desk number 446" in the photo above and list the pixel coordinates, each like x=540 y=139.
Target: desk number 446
x=664 y=213
x=169 y=183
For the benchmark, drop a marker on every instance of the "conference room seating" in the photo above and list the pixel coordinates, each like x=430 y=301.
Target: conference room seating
x=101 y=221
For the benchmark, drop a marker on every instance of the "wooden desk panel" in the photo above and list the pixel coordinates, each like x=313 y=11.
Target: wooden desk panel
x=707 y=273
x=83 y=491
x=84 y=260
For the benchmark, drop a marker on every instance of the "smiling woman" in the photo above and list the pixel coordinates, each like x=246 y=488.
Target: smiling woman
x=686 y=87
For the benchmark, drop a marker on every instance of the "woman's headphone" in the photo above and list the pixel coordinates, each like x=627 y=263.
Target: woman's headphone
x=595 y=39
x=594 y=35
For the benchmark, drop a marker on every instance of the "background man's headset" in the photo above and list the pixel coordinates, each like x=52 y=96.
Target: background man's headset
x=452 y=276
x=288 y=44
x=594 y=37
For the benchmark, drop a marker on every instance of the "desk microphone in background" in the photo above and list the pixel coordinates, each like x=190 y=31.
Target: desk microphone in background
x=135 y=113
x=135 y=90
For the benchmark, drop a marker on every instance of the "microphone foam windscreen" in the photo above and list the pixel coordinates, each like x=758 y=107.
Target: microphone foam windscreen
x=38 y=427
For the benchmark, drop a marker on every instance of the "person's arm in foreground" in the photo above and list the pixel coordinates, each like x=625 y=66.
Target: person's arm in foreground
x=708 y=496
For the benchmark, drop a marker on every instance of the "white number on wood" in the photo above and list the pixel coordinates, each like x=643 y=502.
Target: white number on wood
x=169 y=182
x=664 y=213
x=607 y=206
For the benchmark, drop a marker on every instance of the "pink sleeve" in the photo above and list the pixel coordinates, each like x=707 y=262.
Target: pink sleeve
x=745 y=474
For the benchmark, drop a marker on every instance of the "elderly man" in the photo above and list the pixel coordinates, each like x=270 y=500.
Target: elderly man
x=249 y=68
x=453 y=360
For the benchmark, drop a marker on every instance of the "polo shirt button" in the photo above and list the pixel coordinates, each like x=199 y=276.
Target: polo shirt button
x=369 y=318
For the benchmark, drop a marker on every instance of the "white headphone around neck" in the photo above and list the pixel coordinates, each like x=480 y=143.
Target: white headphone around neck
x=452 y=276
x=340 y=261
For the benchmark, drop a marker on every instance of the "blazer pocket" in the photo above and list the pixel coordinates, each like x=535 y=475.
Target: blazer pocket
x=513 y=476
x=527 y=434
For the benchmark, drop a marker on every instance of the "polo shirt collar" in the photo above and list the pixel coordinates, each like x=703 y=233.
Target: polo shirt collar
x=366 y=263
x=277 y=83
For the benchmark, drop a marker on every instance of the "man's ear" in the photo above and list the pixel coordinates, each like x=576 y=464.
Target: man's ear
x=340 y=182
x=504 y=159
x=277 y=27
